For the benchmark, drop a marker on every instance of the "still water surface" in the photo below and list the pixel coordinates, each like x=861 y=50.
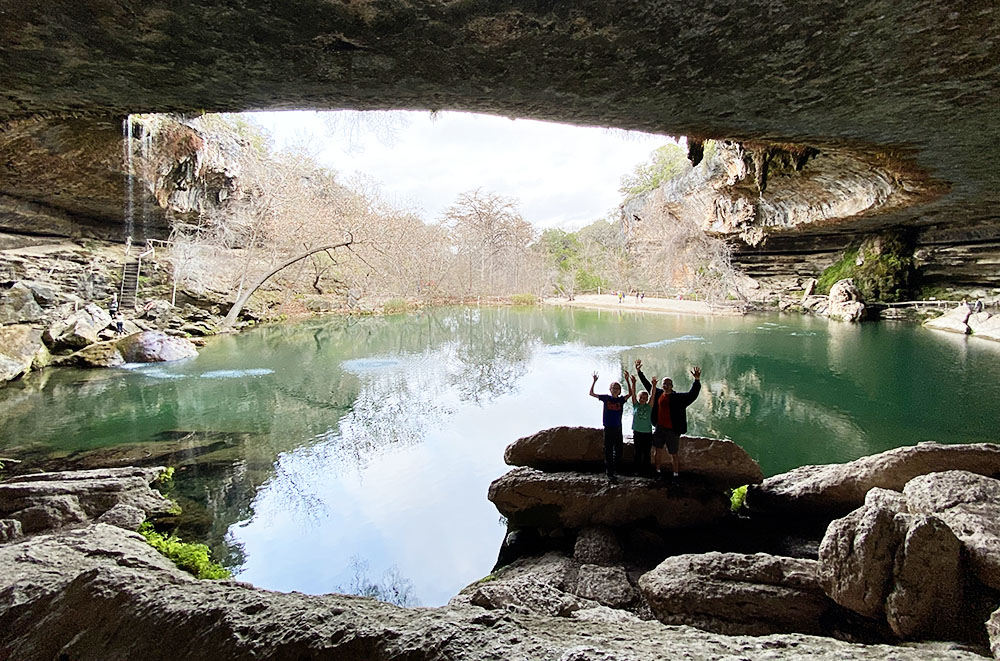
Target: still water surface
x=333 y=454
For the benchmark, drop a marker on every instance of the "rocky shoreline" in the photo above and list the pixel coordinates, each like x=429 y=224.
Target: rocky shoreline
x=916 y=558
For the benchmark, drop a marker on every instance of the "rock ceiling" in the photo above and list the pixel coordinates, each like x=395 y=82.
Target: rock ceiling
x=913 y=82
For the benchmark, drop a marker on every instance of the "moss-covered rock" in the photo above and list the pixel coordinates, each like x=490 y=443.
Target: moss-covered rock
x=882 y=268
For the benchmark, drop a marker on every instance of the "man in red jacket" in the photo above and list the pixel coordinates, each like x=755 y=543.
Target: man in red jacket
x=669 y=415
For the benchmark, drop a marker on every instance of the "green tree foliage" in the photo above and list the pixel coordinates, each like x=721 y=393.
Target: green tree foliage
x=664 y=164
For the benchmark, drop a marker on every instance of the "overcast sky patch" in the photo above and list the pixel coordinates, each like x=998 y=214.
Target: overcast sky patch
x=562 y=176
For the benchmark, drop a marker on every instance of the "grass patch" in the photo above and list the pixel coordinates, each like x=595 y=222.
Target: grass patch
x=524 y=299
x=192 y=558
x=395 y=306
x=738 y=499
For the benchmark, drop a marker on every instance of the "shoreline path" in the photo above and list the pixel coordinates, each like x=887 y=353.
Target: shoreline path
x=648 y=304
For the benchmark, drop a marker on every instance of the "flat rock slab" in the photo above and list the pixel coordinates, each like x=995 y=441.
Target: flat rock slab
x=530 y=497
x=833 y=490
x=582 y=449
x=736 y=593
x=51 y=500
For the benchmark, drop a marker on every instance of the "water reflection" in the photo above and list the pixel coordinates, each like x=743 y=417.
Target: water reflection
x=308 y=451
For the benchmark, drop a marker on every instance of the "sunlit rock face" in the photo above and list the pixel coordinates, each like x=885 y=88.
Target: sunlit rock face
x=907 y=89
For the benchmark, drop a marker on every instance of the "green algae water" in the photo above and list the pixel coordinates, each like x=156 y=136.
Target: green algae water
x=354 y=455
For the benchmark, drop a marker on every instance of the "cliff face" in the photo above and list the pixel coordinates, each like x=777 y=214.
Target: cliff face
x=791 y=211
x=110 y=179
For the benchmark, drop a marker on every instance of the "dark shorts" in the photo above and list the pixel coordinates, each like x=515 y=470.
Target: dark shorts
x=668 y=438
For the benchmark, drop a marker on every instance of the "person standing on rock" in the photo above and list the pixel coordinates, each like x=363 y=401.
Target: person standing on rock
x=614 y=404
x=642 y=427
x=669 y=416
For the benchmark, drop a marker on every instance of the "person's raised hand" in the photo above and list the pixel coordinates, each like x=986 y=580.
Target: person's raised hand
x=595 y=377
x=638 y=363
x=696 y=373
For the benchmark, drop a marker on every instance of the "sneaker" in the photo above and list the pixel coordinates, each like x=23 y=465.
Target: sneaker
x=677 y=474
x=612 y=479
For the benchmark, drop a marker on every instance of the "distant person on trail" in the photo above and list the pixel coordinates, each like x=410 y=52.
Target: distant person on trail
x=113 y=308
x=642 y=427
x=669 y=416
x=613 y=442
x=119 y=324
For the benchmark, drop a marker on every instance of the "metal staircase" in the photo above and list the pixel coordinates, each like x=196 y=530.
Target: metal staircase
x=128 y=295
x=130 y=285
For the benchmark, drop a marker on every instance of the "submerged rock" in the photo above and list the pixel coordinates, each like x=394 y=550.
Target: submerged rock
x=735 y=593
x=833 y=490
x=529 y=497
x=155 y=347
x=582 y=449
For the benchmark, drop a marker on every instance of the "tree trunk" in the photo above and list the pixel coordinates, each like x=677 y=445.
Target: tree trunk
x=241 y=301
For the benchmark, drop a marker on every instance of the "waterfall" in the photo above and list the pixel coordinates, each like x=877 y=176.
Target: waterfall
x=146 y=147
x=128 y=214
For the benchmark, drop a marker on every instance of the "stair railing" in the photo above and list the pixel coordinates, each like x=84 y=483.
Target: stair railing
x=138 y=269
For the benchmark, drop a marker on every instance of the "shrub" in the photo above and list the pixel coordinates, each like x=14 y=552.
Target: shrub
x=524 y=299
x=395 y=306
x=192 y=558
x=738 y=498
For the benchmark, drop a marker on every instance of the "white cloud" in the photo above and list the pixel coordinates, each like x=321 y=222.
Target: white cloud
x=562 y=175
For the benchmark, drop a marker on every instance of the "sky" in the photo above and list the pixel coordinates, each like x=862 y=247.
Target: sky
x=562 y=176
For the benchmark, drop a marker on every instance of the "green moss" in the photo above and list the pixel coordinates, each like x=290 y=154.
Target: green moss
x=192 y=558
x=738 y=498
x=885 y=273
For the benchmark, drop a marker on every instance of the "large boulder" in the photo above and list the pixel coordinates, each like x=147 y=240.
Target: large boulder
x=606 y=585
x=155 y=347
x=46 y=501
x=969 y=504
x=734 y=593
x=20 y=345
x=532 y=498
x=993 y=631
x=18 y=304
x=926 y=598
x=845 y=302
x=99 y=354
x=78 y=329
x=833 y=490
x=955 y=321
x=582 y=449
x=856 y=558
x=597 y=545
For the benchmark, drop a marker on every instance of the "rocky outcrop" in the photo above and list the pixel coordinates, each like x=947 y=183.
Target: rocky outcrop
x=20 y=346
x=154 y=347
x=582 y=448
x=988 y=329
x=78 y=330
x=46 y=501
x=902 y=558
x=17 y=304
x=735 y=593
x=75 y=592
x=845 y=302
x=528 y=497
x=833 y=490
